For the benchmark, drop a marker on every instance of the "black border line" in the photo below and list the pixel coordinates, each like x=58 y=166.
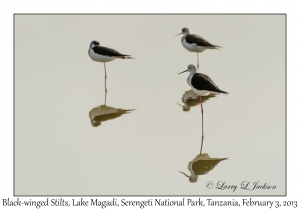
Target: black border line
x=266 y=14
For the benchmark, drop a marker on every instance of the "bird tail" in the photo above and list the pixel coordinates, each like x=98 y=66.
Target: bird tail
x=224 y=92
x=128 y=57
x=215 y=47
x=125 y=57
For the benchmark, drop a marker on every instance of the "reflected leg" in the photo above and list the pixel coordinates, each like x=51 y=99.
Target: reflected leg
x=202 y=125
x=105 y=77
x=105 y=83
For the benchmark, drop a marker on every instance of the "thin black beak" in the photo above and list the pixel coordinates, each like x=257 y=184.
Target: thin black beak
x=182 y=72
x=184 y=174
x=178 y=34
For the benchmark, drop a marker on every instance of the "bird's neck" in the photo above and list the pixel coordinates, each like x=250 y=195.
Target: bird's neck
x=193 y=176
x=185 y=33
x=192 y=73
x=92 y=46
x=190 y=77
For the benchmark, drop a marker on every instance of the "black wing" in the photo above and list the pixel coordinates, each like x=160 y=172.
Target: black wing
x=204 y=82
x=202 y=167
x=107 y=51
x=193 y=38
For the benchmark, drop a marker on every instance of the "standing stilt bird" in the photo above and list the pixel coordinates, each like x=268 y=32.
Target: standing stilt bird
x=195 y=43
x=104 y=54
x=202 y=85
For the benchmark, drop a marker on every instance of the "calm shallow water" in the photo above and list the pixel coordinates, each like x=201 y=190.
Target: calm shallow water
x=68 y=143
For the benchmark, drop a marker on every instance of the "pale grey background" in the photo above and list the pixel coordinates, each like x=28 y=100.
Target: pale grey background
x=58 y=152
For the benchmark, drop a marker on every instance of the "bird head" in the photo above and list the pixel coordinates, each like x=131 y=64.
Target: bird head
x=184 y=31
x=94 y=43
x=191 y=68
x=192 y=179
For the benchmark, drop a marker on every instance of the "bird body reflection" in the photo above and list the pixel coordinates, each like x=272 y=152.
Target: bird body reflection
x=200 y=165
x=104 y=113
x=190 y=99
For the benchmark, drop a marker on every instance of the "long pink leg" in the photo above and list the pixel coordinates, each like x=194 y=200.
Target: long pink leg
x=105 y=82
x=197 y=62
x=202 y=126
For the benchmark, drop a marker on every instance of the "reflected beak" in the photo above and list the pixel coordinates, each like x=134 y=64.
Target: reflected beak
x=183 y=72
x=178 y=34
x=184 y=174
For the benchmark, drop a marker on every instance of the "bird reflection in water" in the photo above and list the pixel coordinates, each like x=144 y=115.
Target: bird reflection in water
x=190 y=99
x=103 y=113
x=200 y=165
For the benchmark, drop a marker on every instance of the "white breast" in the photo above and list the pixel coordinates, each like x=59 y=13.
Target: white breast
x=192 y=47
x=100 y=58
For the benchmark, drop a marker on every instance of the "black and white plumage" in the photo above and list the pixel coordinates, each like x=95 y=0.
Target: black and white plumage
x=201 y=84
x=104 y=54
x=195 y=43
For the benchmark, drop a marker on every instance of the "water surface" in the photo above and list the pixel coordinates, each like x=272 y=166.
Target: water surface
x=58 y=149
